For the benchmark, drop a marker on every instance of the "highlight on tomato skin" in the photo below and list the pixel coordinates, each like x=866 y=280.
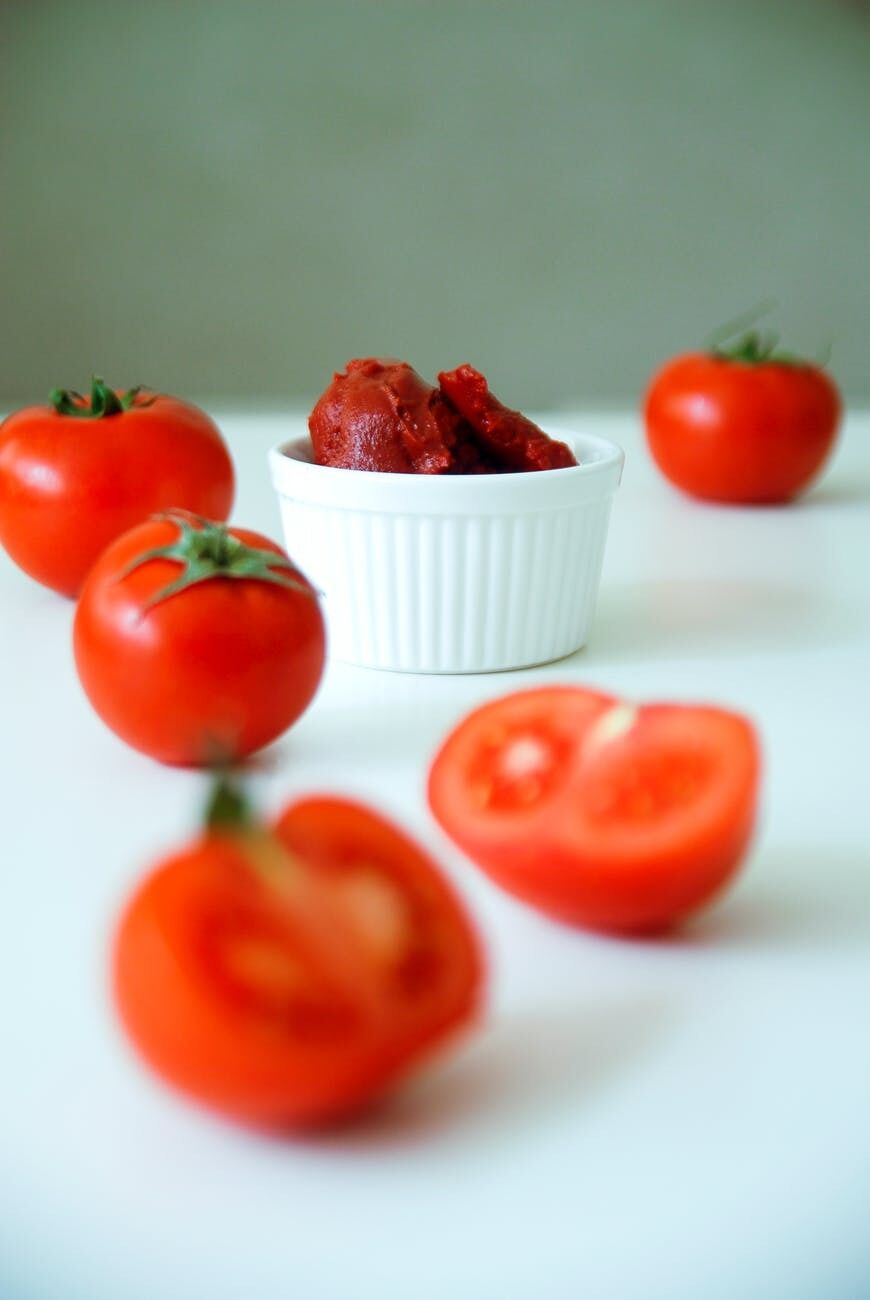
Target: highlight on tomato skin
x=287 y=976
x=620 y=818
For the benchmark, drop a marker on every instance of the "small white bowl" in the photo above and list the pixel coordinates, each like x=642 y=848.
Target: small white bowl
x=425 y=573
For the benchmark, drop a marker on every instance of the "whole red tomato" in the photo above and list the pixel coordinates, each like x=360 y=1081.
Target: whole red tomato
x=77 y=473
x=195 y=642
x=743 y=425
x=601 y=813
x=286 y=976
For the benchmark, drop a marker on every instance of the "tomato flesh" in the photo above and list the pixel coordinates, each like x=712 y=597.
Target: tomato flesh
x=288 y=978
x=605 y=815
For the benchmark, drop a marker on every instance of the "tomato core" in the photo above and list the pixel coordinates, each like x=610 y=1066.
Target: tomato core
x=514 y=769
x=375 y=910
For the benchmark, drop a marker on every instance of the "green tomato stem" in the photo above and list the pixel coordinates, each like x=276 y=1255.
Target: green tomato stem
x=228 y=807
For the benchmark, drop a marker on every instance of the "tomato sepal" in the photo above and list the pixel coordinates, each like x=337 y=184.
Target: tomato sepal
x=755 y=348
x=103 y=401
x=208 y=550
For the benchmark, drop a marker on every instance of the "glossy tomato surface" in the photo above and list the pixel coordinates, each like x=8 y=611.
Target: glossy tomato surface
x=747 y=433
x=69 y=486
x=609 y=816
x=287 y=977
x=207 y=675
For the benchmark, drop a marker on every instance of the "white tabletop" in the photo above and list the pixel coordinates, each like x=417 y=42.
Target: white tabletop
x=641 y=1121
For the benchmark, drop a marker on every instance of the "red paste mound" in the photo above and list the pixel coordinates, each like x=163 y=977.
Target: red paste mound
x=511 y=439
x=379 y=414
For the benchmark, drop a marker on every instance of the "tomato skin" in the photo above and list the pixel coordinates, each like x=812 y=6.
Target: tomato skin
x=725 y=430
x=315 y=1034
x=70 y=486
x=210 y=674
x=573 y=853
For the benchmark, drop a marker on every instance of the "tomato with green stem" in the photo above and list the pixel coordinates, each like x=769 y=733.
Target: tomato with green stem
x=612 y=816
x=745 y=424
x=287 y=975
x=195 y=642
x=77 y=473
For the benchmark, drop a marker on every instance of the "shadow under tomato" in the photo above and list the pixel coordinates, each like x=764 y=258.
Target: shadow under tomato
x=514 y=1076
x=800 y=898
x=678 y=618
x=367 y=717
x=846 y=492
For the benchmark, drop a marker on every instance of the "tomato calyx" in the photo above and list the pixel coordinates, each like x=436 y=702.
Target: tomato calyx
x=751 y=346
x=209 y=550
x=102 y=401
x=755 y=348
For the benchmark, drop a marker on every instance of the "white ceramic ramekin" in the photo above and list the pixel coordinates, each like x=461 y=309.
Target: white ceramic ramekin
x=451 y=573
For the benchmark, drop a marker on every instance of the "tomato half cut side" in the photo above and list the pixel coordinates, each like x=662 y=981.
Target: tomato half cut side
x=287 y=977
x=632 y=819
x=501 y=768
x=230 y=1002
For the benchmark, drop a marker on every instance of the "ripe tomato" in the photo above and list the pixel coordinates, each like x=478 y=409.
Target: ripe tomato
x=614 y=817
x=197 y=643
x=286 y=977
x=74 y=475
x=741 y=425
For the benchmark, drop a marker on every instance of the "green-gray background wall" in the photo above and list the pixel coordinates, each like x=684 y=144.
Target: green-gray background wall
x=228 y=200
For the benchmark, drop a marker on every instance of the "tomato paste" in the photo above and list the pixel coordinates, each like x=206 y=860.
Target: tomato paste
x=379 y=414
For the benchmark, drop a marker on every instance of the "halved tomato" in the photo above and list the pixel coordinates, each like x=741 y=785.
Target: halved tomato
x=287 y=976
x=601 y=813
